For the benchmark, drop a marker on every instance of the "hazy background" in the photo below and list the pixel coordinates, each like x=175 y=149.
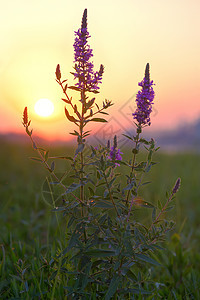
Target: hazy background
x=37 y=35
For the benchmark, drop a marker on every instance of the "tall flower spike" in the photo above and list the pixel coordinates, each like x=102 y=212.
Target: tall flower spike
x=88 y=80
x=144 y=100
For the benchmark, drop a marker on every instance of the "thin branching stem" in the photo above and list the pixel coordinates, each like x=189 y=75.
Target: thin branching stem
x=110 y=194
x=162 y=210
x=69 y=100
x=52 y=172
x=133 y=198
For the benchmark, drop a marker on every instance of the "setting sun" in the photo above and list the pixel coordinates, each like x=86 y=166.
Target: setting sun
x=44 y=107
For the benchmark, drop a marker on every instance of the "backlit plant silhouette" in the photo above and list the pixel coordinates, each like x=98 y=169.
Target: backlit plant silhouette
x=108 y=251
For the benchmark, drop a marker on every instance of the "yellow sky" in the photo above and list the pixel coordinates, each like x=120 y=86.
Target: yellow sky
x=37 y=35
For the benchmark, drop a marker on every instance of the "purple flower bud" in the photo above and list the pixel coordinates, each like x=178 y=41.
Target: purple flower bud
x=58 y=73
x=176 y=186
x=144 y=100
x=84 y=19
x=115 y=142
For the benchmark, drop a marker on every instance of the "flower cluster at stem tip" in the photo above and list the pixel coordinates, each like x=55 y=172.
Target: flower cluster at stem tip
x=144 y=100
x=88 y=80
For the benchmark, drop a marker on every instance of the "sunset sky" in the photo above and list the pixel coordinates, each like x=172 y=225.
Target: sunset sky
x=125 y=35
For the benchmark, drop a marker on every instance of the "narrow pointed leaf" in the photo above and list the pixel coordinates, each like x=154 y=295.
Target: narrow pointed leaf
x=147 y=259
x=112 y=287
x=99 y=120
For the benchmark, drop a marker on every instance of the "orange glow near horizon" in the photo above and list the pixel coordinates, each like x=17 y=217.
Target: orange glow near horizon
x=124 y=37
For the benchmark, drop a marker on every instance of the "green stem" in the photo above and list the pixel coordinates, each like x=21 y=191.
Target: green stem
x=133 y=162
x=81 y=154
x=52 y=172
x=110 y=194
x=162 y=210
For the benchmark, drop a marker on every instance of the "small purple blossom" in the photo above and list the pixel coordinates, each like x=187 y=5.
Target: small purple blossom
x=144 y=100
x=115 y=154
x=84 y=69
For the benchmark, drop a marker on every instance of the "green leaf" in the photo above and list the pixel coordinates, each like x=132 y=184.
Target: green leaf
x=36 y=159
x=142 y=140
x=73 y=187
x=84 y=278
x=29 y=132
x=46 y=155
x=112 y=181
x=105 y=194
x=71 y=220
x=52 y=166
x=69 y=117
x=169 y=208
x=104 y=204
x=154 y=214
x=139 y=236
x=140 y=166
x=147 y=259
x=131 y=276
x=98 y=175
x=129 y=186
x=159 y=204
x=150 y=155
x=128 y=137
x=74 y=239
x=103 y=113
x=99 y=120
x=100 y=253
x=16 y=277
x=91 y=191
x=80 y=148
x=90 y=103
x=138 y=291
x=146 y=204
x=102 y=219
x=64 y=157
x=61 y=208
x=148 y=168
x=74 y=88
x=147 y=182
x=112 y=287
x=65 y=100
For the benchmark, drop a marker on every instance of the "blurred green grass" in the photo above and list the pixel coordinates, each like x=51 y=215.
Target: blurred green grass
x=21 y=182
x=29 y=228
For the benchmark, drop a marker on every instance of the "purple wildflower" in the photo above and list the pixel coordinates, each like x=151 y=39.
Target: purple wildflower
x=88 y=80
x=144 y=100
x=115 y=154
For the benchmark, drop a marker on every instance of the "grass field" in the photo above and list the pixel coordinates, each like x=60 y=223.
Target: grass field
x=31 y=233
